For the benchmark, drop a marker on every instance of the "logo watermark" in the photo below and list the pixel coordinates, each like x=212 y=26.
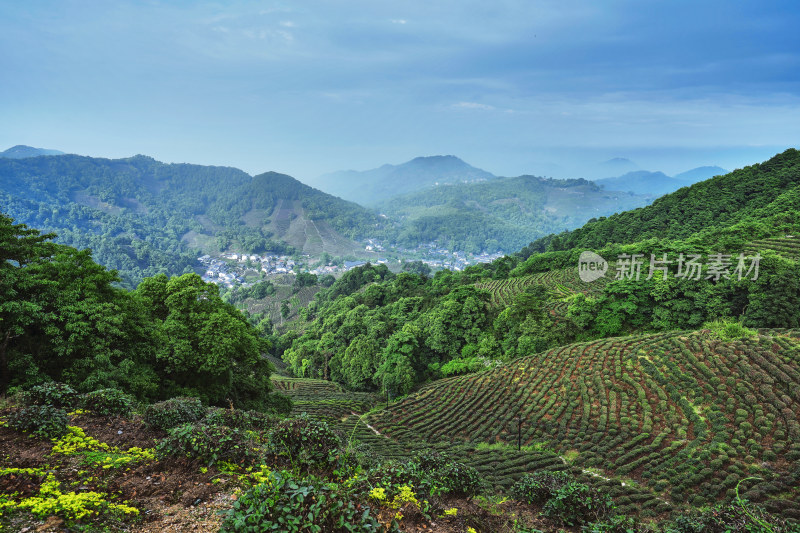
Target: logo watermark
x=592 y=266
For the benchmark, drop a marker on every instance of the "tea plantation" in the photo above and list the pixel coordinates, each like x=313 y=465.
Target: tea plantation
x=684 y=414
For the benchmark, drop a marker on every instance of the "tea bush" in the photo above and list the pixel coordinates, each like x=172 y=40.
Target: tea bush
x=291 y=505
x=305 y=442
x=53 y=394
x=459 y=479
x=210 y=444
x=108 y=402
x=240 y=419
x=539 y=486
x=43 y=421
x=174 y=412
x=731 y=518
x=437 y=473
x=576 y=503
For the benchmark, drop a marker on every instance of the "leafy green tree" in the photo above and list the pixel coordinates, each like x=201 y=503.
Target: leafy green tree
x=417 y=267
x=61 y=318
x=397 y=372
x=208 y=348
x=359 y=362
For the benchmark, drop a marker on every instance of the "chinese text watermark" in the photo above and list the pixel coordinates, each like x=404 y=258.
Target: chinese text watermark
x=592 y=266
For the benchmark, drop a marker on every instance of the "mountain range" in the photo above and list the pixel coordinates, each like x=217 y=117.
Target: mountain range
x=658 y=183
x=21 y=151
x=371 y=186
x=502 y=213
x=141 y=216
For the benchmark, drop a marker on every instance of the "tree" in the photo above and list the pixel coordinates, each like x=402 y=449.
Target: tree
x=20 y=292
x=208 y=348
x=417 y=267
x=397 y=372
x=61 y=318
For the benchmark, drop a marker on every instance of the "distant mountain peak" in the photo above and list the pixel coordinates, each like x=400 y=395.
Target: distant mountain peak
x=22 y=151
x=701 y=173
x=371 y=186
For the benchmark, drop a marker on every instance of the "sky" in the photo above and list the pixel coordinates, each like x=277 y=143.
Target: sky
x=550 y=88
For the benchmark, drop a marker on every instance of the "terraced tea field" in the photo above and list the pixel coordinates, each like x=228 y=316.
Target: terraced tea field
x=561 y=283
x=786 y=246
x=683 y=415
x=500 y=465
x=323 y=399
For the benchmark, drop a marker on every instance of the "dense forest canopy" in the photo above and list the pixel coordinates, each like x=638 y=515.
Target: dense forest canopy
x=63 y=319
x=373 y=330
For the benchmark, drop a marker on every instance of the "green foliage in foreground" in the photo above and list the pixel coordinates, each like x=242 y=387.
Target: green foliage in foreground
x=288 y=504
x=63 y=319
x=43 y=421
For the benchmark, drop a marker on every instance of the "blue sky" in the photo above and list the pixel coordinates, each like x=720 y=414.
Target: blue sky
x=305 y=87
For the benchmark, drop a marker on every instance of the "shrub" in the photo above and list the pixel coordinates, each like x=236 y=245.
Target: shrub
x=284 y=503
x=730 y=518
x=306 y=443
x=615 y=524
x=209 y=443
x=430 y=460
x=458 y=479
x=108 y=402
x=278 y=403
x=240 y=419
x=539 y=487
x=174 y=412
x=44 y=421
x=575 y=504
x=728 y=329
x=53 y=394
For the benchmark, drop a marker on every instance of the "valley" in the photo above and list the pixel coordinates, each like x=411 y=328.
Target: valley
x=450 y=392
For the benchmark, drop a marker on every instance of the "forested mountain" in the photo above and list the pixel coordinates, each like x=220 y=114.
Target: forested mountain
x=757 y=196
x=637 y=378
x=502 y=213
x=371 y=186
x=21 y=151
x=141 y=216
x=673 y=398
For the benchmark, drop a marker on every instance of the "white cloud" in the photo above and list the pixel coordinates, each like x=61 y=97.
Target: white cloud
x=473 y=105
x=399 y=21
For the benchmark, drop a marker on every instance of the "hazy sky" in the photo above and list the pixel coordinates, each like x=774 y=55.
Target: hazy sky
x=306 y=87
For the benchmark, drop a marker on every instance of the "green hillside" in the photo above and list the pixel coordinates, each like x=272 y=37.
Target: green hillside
x=765 y=193
x=502 y=213
x=143 y=217
x=685 y=414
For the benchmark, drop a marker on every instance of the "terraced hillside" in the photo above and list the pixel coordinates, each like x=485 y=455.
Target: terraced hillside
x=562 y=283
x=499 y=464
x=290 y=222
x=788 y=246
x=323 y=399
x=684 y=415
x=271 y=305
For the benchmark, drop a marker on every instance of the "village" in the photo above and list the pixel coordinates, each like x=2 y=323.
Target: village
x=232 y=269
